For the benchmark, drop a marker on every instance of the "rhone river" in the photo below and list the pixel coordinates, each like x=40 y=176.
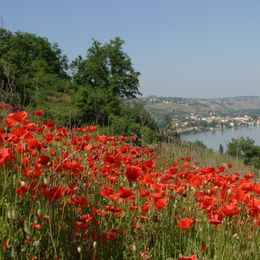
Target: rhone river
x=213 y=139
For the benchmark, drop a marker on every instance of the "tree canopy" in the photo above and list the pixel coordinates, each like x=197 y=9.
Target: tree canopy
x=92 y=90
x=104 y=79
x=107 y=67
x=246 y=149
x=28 y=62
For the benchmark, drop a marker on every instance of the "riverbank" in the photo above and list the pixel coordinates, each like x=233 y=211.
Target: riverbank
x=213 y=139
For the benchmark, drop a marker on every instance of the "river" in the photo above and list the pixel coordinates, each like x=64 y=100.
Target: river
x=213 y=139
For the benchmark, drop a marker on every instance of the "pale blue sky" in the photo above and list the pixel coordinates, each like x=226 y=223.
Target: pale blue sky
x=187 y=48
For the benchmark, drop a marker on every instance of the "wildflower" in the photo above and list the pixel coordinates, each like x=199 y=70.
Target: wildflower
x=161 y=203
x=132 y=173
x=185 y=224
x=106 y=191
x=22 y=190
x=230 y=210
x=193 y=257
x=15 y=119
x=39 y=112
x=53 y=193
x=230 y=166
x=79 y=201
x=5 y=155
x=196 y=181
x=36 y=226
x=215 y=218
x=124 y=192
x=203 y=247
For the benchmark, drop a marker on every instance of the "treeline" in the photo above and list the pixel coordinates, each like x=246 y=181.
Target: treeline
x=245 y=149
x=96 y=89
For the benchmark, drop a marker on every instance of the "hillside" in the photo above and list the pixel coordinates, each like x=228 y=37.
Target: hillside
x=196 y=105
x=159 y=107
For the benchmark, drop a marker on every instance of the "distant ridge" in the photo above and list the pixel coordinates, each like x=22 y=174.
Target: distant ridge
x=190 y=98
x=158 y=106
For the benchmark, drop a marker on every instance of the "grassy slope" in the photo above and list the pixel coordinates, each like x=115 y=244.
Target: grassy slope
x=206 y=157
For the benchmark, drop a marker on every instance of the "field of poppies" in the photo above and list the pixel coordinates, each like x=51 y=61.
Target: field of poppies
x=76 y=194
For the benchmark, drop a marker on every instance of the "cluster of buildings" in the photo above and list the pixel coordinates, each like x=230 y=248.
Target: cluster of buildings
x=212 y=121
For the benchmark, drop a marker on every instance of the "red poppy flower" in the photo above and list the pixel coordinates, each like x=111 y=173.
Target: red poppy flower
x=15 y=119
x=39 y=112
x=196 y=181
x=132 y=173
x=22 y=190
x=53 y=193
x=50 y=124
x=111 y=235
x=133 y=138
x=5 y=155
x=185 y=224
x=37 y=226
x=87 y=218
x=230 y=210
x=203 y=248
x=215 y=218
x=144 y=193
x=21 y=132
x=124 y=192
x=91 y=128
x=80 y=225
x=44 y=160
x=79 y=201
x=102 y=138
x=230 y=166
x=193 y=257
x=185 y=165
x=106 y=191
x=161 y=203
x=257 y=189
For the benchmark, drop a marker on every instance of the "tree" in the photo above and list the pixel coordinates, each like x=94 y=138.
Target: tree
x=221 y=149
x=28 y=62
x=95 y=105
x=135 y=120
x=245 y=149
x=240 y=146
x=107 y=67
x=103 y=79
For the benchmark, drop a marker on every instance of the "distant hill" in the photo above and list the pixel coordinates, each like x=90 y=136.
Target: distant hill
x=161 y=106
x=232 y=103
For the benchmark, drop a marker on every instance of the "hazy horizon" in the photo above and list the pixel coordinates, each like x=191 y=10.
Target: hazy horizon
x=200 y=97
x=193 y=49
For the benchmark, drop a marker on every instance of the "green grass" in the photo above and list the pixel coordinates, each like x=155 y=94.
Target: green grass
x=205 y=156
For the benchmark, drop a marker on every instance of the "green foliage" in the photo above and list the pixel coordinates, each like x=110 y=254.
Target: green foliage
x=34 y=74
x=107 y=67
x=246 y=149
x=96 y=105
x=135 y=120
x=28 y=62
x=221 y=149
x=200 y=144
x=104 y=79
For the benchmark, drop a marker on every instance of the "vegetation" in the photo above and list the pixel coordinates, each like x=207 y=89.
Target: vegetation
x=96 y=90
x=75 y=194
x=245 y=149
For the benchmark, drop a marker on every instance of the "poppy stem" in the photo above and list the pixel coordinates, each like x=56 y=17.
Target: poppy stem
x=52 y=240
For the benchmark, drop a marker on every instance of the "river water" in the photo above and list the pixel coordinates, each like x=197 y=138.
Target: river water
x=213 y=139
